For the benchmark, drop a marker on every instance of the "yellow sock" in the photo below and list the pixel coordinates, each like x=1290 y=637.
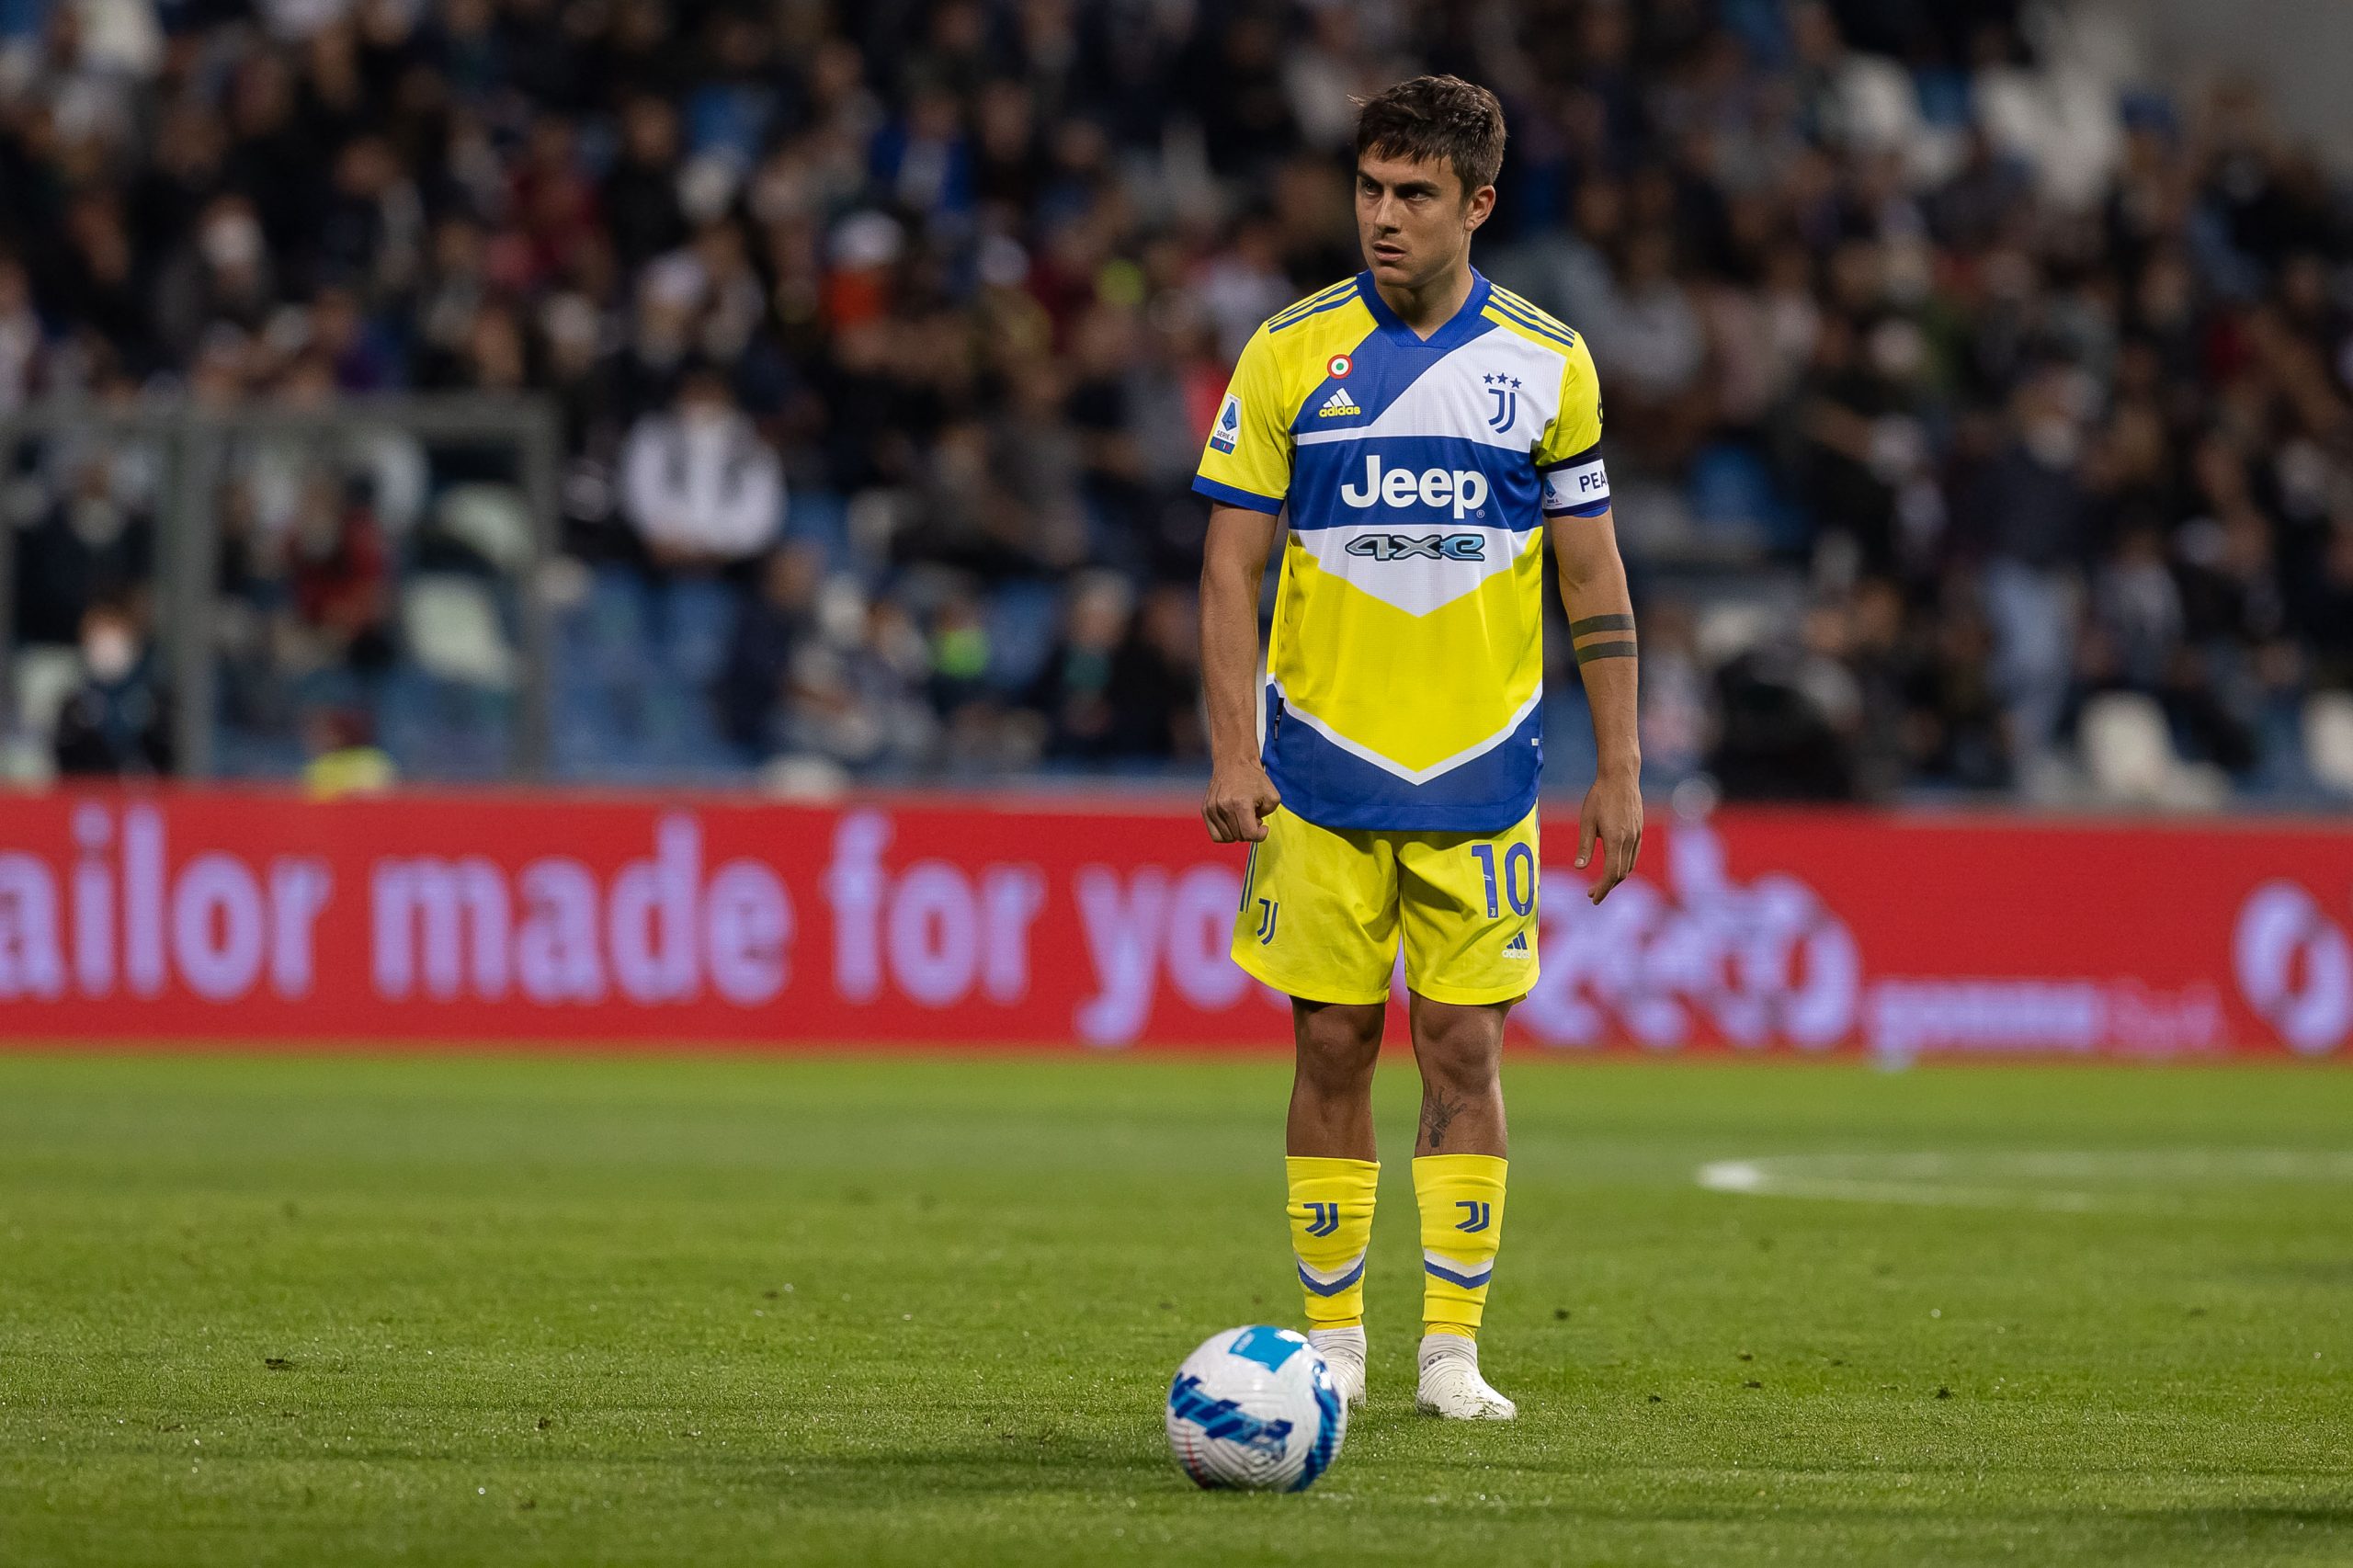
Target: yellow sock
x=1331 y=1225
x=1461 y=1200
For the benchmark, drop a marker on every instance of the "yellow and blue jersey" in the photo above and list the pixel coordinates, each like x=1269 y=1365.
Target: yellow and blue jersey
x=1405 y=671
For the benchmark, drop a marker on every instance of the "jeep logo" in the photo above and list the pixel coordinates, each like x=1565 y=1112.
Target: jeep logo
x=1429 y=547
x=1463 y=489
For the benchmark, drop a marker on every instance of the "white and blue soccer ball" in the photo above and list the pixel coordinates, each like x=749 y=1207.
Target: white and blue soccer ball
x=1254 y=1408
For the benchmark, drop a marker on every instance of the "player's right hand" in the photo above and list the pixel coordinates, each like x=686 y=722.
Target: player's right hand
x=1240 y=799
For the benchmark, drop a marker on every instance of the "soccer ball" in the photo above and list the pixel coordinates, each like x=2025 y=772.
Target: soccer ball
x=1254 y=1408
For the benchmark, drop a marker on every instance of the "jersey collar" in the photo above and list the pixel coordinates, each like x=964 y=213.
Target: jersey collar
x=1460 y=327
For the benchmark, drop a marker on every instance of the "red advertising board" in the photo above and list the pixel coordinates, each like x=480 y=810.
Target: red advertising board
x=252 y=917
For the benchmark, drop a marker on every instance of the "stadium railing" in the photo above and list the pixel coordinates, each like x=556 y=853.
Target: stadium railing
x=494 y=511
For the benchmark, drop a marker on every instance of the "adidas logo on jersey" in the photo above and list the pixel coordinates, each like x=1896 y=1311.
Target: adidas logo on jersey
x=1518 y=946
x=1338 y=404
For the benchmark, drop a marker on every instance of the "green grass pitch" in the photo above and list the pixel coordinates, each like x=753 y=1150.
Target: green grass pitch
x=548 y=1310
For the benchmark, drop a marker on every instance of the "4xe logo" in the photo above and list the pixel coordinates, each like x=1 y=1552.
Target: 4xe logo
x=1428 y=547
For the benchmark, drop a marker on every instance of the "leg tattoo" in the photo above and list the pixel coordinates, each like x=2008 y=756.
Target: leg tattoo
x=1437 y=1114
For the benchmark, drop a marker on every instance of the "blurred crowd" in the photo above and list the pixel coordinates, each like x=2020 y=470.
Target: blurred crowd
x=1971 y=403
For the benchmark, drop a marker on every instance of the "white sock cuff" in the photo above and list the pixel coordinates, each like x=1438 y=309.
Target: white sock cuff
x=1443 y=1346
x=1345 y=1339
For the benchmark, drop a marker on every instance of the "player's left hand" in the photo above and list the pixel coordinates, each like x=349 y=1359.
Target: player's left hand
x=1613 y=818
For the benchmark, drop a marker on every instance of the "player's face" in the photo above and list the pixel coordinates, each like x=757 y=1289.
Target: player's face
x=1414 y=219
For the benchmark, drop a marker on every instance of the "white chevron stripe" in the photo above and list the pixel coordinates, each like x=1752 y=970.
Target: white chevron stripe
x=1476 y=1272
x=1386 y=764
x=1419 y=585
x=1329 y=1275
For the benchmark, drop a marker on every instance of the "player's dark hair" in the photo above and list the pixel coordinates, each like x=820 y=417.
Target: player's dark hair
x=1436 y=119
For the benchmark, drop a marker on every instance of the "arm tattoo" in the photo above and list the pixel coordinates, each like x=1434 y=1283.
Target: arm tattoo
x=1437 y=1115
x=1592 y=651
x=1601 y=623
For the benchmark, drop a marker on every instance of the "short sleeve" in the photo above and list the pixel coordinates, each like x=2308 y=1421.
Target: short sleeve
x=1568 y=460
x=1247 y=460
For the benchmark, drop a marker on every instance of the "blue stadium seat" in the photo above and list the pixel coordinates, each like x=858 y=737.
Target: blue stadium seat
x=444 y=729
x=1022 y=617
x=1732 y=491
x=820 y=518
x=694 y=622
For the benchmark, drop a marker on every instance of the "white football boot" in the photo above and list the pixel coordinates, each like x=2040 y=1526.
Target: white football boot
x=1450 y=1383
x=1343 y=1352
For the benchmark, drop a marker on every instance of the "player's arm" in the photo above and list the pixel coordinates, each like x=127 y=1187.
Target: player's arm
x=1245 y=473
x=1234 y=568
x=1601 y=619
x=1602 y=630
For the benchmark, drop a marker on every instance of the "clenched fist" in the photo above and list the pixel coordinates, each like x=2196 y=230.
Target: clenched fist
x=1240 y=799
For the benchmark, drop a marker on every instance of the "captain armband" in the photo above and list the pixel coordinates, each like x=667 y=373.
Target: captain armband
x=1577 y=488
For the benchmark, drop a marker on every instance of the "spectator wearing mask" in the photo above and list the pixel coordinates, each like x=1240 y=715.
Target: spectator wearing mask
x=118 y=722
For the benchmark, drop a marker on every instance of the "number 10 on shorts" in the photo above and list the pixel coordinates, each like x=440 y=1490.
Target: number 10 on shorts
x=1519 y=878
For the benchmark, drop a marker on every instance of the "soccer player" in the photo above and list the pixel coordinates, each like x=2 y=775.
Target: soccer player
x=1426 y=429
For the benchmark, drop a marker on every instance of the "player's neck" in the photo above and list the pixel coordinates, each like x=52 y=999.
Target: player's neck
x=1431 y=305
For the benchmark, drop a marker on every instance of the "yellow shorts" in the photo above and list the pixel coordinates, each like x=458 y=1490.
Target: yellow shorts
x=1322 y=909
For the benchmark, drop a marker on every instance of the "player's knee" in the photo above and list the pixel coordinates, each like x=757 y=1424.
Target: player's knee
x=1461 y=1053
x=1469 y=1072
x=1338 y=1045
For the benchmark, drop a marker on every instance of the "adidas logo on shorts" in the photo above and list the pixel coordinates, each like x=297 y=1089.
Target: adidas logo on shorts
x=1337 y=404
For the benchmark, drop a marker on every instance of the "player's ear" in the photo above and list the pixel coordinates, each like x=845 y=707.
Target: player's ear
x=1476 y=209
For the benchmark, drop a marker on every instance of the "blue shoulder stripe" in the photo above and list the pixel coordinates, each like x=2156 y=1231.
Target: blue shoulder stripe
x=1530 y=307
x=1541 y=328
x=1302 y=307
x=1326 y=292
x=1294 y=320
x=1537 y=327
x=1291 y=313
x=1542 y=325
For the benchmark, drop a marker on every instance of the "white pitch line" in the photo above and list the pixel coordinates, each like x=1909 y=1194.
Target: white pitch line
x=1758 y=1177
x=1933 y=1180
